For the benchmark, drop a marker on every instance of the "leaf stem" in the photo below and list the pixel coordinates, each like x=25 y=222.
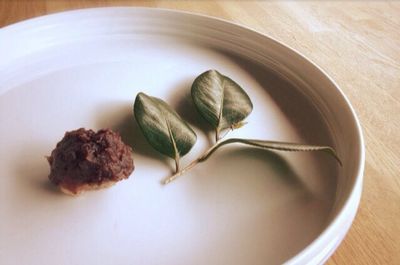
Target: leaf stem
x=271 y=145
x=217 y=135
x=200 y=159
x=177 y=168
x=181 y=172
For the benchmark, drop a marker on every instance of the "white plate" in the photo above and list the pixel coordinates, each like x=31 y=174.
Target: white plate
x=243 y=206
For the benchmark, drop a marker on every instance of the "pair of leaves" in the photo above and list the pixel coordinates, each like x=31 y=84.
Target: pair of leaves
x=222 y=102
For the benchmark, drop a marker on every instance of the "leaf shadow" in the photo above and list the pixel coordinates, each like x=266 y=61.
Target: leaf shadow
x=118 y=116
x=243 y=165
x=256 y=189
x=299 y=109
x=181 y=101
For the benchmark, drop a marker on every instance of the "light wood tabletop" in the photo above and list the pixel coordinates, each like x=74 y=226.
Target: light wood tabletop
x=358 y=45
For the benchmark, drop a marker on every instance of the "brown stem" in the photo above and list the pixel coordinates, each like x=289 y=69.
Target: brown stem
x=200 y=159
x=181 y=172
x=177 y=165
x=272 y=145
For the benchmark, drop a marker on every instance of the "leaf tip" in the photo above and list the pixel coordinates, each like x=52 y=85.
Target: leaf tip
x=141 y=95
x=212 y=71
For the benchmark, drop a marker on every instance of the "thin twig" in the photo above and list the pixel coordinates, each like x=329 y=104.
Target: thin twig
x=200 y=159
x=177 y=168
x=179 y=173
x=272 y=145
x=217 y=135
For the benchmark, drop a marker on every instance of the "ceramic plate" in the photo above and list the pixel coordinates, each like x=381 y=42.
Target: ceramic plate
x=243 y=206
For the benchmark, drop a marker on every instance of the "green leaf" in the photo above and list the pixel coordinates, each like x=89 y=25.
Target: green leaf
x=163 y=128
x=273 y=145
x=221 y=101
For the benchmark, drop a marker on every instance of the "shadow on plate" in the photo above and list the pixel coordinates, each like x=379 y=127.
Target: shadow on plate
x=237 y=167
x=181 y=101
x=31 y=187
x=257 y=197
x=118 y=116
x=299 y=109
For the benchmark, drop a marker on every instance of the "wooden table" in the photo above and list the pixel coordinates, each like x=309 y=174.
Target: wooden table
x=358 y=44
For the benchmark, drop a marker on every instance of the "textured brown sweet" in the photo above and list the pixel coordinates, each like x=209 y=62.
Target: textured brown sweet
x=86 y=160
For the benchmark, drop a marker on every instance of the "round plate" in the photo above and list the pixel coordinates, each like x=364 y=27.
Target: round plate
x=242 y=206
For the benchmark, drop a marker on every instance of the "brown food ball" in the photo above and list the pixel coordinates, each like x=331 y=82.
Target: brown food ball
x=86 y=160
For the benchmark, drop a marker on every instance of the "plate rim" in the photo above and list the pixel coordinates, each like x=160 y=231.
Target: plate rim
x=352 y=201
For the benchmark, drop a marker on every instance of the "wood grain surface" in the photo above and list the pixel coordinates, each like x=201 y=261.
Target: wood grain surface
x=358 y=44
